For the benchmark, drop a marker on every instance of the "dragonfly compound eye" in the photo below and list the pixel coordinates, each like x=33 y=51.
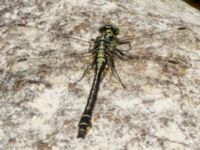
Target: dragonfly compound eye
x=111 y=27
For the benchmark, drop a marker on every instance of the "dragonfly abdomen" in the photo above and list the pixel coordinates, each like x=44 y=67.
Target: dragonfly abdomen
x=85 y=121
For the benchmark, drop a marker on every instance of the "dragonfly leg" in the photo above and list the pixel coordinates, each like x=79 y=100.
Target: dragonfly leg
x=121 y=55
x=114 y=72
x=125 y=42
x=103 y=74
x=91 y=45
x=83 y=54
x=85 y=71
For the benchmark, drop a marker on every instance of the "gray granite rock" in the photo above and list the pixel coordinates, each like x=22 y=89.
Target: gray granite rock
x=40 y=106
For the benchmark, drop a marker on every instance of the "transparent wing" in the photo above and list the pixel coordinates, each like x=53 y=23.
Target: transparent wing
x=60 y=62
x=51 y=71
x=68 y=55
x=143 y=50
x=141 y=38
x=155 y=54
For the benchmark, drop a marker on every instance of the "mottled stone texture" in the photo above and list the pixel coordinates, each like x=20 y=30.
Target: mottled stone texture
x=40 y=105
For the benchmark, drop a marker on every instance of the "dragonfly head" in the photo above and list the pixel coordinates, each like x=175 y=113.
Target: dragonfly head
x=109 y=28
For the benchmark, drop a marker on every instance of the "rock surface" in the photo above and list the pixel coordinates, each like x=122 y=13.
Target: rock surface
x=40 y=106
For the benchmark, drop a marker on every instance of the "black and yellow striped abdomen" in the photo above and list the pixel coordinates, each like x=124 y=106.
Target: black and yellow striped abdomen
x=85 y=121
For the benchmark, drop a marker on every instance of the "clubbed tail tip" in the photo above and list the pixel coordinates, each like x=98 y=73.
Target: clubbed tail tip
x=81 y=134
x=84 y=125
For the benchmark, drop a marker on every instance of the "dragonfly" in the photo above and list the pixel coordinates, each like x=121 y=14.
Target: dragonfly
x=104 y=51
x=105 y=46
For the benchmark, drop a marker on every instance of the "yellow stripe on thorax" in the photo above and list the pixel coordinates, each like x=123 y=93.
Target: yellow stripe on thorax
x=101 y=55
